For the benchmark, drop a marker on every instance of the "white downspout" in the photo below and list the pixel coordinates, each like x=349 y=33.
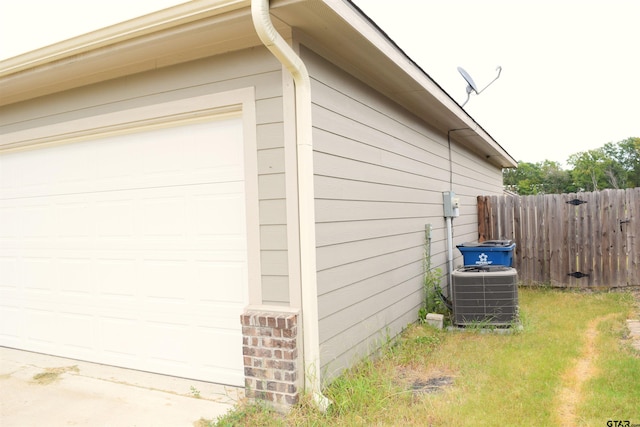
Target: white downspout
x=306 y=209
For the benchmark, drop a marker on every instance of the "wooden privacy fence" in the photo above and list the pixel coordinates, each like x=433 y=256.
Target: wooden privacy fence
x=569 y=240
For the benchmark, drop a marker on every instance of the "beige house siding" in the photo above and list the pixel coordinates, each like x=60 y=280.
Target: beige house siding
x=379 y=177
x=472 y=177
x=250 y=68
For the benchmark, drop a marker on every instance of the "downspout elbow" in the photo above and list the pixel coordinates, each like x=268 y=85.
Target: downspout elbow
x=276 y=44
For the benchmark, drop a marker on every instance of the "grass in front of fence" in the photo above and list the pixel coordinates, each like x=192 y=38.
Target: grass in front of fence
x=432 y=377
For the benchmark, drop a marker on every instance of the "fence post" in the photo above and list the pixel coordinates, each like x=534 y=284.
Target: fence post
x=482 y=218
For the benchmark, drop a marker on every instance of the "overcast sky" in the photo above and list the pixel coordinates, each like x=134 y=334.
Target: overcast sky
x=570 y=69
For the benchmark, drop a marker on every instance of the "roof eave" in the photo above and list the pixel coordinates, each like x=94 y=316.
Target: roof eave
x=118 y=33
x=125 y=48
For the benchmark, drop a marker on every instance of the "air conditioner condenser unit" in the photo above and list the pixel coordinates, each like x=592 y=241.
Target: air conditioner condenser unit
x=485 y=295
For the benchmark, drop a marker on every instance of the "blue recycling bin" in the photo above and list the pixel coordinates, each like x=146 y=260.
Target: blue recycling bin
x=490 y=252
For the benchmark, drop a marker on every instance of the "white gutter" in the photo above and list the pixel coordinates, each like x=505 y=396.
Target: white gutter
x=306 y=209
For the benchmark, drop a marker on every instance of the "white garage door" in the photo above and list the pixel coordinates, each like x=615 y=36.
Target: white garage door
x=129 y=250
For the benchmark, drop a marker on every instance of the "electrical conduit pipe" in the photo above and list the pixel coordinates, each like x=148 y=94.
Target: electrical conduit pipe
x=448 y=220
x=306 y=210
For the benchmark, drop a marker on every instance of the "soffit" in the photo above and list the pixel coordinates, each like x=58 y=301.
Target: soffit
x=185 y=42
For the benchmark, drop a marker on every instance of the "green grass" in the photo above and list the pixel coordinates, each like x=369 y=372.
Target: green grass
x=615 y=393
x=497 y=379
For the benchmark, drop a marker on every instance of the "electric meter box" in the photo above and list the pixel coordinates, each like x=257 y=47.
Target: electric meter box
x=451 y=204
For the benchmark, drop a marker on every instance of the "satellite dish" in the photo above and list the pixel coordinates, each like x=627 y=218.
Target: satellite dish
x=472 y=85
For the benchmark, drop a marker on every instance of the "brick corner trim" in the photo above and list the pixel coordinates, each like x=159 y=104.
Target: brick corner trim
x=270 y=353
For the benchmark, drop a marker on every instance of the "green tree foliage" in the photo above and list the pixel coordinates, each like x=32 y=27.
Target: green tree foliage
x=627 y=155
x=593 y=170
x=545 y=177
x=615 y=165
x=611 y=166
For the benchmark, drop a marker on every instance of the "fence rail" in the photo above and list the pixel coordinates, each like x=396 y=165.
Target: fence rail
x=569 y=240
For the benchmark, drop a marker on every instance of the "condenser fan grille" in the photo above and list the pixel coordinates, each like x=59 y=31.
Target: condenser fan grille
x=485 y=296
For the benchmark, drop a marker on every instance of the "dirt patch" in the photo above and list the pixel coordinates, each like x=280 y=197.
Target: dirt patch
x=420 y=381
x=51 y=375
x=581 y=371
x=431 y=385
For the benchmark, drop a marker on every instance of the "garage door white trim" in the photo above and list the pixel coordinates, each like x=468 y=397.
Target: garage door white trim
x=190 y=114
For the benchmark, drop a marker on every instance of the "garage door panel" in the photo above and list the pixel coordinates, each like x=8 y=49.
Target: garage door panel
x=72 y=218
x=216 y=215
x=164 y=216
x=119 y=164
x=8 y=215
x=128 y=162
x=38 y=275
x=121 y=341
x=69 y=326
x=113 y=277
x=53 y=174
x=162 y=277
x=37 y=222
x=75 y=277
x=219 y=168
x=137 y=215
x=221 y=279
x=221 y=320
x=12 y=325
x=129 y=250
x=222 y=339
x=9 y=270
x=113 y=218
x=41 y=325
x=10 y=298
x=169 y=342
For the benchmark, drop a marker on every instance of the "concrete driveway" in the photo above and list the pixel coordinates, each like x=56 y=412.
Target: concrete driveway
x=39 y=390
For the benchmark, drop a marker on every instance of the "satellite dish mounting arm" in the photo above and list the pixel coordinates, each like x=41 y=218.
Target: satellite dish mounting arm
x=471 y=84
